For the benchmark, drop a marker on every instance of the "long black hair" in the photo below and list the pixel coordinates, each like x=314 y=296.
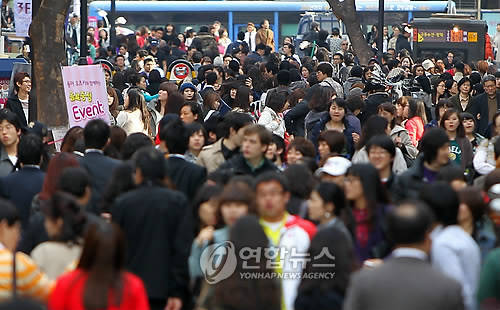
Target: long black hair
x=374 y=126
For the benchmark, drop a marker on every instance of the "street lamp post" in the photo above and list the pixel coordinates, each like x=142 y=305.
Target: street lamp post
x=112 y=29
x=83 y=29
x=380 y=32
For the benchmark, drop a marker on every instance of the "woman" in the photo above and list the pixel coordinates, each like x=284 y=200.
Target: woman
x=398 y=133
x=377 y=125
x=139 y=81
x=197 y=137
x=330 y=143
x=323 y=292
x=406 y=62
x=316 y=103
x=211 y=103
x=100 y=280
x=439 y=110
x=182 y=39
x=154 y=80
x=306 y=71
x=336 y=120
x=402 y=110
x=438 y=90
x=472 y=217
x=485 y=159
x=224 y=41
x=381 y=153
x=326 y=205
x=64 y=222
x=462 y=102
x=469 y=123
x=103 y=38
x=272 y=115
x=161 y=103
x=369 y=202
x=451 y=88
x=418 y=70
x=112 y=105
x=72 y=135
x=460 y=147
x=242 y=99
x=416 y=121
x=135 y=116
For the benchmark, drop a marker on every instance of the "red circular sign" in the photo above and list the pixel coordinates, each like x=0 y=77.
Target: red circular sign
x=181 y=71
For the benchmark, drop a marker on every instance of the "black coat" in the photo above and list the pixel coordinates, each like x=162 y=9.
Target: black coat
x=157 y=251
x=15 y=106
x=372 y=103
x=20 y=187
x=237 y=165
x=187 y=177
x=480 y=106
x=100 y=169
x=295 y=119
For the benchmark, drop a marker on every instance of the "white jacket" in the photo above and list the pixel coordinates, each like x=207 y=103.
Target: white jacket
x=272 y=121
x=398 y=166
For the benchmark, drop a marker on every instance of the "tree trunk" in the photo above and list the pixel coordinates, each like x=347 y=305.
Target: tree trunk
x=346 y=11
x=47 y=35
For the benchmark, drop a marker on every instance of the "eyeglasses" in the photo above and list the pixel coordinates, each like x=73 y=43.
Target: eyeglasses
x=26 y=81
x=345 y=44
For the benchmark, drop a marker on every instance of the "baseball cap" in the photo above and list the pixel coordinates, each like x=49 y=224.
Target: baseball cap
x=427 y=64
x=335 y=166
x=154 y=42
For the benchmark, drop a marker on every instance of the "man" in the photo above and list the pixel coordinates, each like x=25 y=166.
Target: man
x=355 y=77
x=324 y=73
x=100 y=167
x=250 y=36
x=344 y=47
x=239 y=44
x=286 y=232
x=396 y=30
x=31 y=282
x=454 y=251
x=259 y=52
x=252 y=160
x=205 y=43
x=150 y=217
x=149 y=65
x=406 y=280
x=434 y=148
x=72 y=35
x=187 y=177
x=10 y=131
x=403 y=43
x=334 y=170
x=21 y=186
x=265 y=35
x=486 y=104
x=120 y=63
x=19 y=102
x=158 y=53
x=340 y=71
x=122 y=50
x=335 y=41
x=232 y=128
x=289 y=53
x=376 y=89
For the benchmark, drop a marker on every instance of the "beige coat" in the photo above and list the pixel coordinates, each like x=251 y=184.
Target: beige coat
x=211 y=156
x=265 y=36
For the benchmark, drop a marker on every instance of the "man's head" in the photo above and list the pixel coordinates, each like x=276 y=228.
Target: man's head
x=396 y=30
x=149 y=165
x=123 y=49
x=120 y=60
x=233 y=126
x=265 y=24
x=335 y=32
x=175 y=137
x=148 y=64
x=30 y=149
x=409 y=225
x=338 y=58
x=10 y=225
x=10 y=128
x=435 y=146
x=276 y=149
x=344 y=45
x=76 y=181
x=272 y=195
x=489 y=84
x=443 y=201
x=289 y=49
x=324 y=71
x=256 y=139
x=250 y=27
x=96 y=134
x=22 y=81
x=260 y=49
x=449 y=57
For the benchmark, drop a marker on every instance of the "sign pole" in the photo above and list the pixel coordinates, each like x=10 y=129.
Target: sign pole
x=83 y=29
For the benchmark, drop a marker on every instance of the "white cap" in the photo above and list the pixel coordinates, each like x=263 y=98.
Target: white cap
x=427 y=64
x=121 y=20
x=335 y=166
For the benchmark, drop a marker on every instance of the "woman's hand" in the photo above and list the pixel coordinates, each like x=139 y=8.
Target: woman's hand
x=398 y=142
x=205 y=235
x=355 y=137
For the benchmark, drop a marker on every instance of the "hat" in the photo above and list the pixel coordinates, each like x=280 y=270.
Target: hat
x=75 y=14
x=356 y=91
x=335 y=166
x=121 y=20
x=187 y=85
x=251 y=24
x=427 y=64
x=462 y=81
x=154 y=42
x=37 y=128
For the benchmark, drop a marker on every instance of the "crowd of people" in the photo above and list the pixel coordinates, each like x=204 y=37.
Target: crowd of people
x=389 y=170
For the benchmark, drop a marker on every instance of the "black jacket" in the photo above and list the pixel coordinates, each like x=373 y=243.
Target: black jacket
x=100 y=169
x=15 y=106
x=187 y=177
x=371 y=105
x=480 y=106
x=157 y=251
x=295 y=119
x=20 y=187
x=238 y=165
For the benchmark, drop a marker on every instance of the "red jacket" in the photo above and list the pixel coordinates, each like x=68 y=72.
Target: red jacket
x=488 y=51
x=415 y=127
x=68 y=293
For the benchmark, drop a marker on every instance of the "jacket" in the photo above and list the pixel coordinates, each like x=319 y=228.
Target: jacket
x=295 y=119
x=467 y=154
x=157 y=251
x=399 y=131
x=484 y=159
x=455 y=100
x=348 y=131
x=187 y=177
x=480 y=104
x=408 y=283
x=415 y=128
x=6 y=166
x=272 y=121
x=211 y=156
x=265 y=36
x=238 y=165
x=295 y=236
x=371 y=105
x=14 y=104
x=330 y=82
x=348 y=84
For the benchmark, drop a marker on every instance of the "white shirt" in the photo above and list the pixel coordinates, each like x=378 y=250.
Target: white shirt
x=409 y=252
x=25 y=105
x=131 y=122
x=250 y=39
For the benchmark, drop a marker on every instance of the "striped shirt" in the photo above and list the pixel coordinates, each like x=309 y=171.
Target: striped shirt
x=30 y=281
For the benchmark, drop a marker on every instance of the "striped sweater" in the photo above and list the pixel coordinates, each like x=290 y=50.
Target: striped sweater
x=30 y=281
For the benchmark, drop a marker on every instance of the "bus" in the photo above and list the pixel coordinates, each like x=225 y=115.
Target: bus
x=284 y=16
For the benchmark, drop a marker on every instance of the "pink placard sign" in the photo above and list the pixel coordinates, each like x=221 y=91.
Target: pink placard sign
x=85 y=94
